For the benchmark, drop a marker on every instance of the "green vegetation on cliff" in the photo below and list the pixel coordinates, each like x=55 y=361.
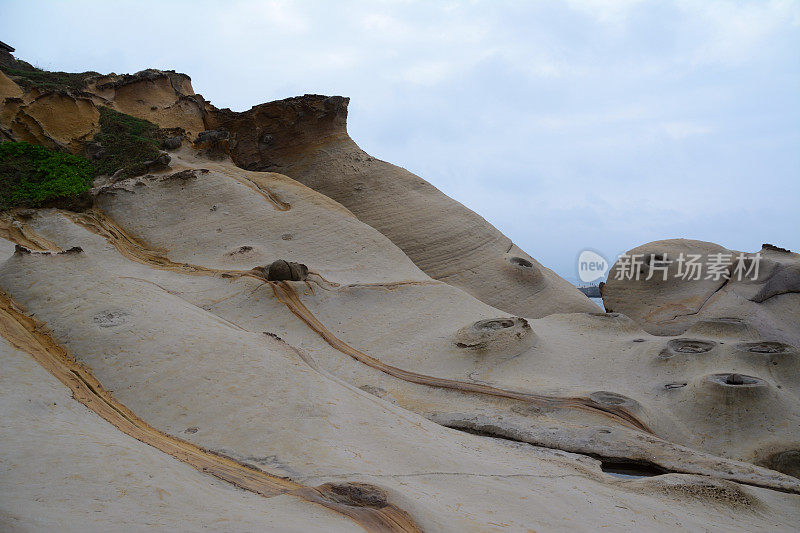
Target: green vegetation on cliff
x=31 y=175
x=127 y=143
x=48 y=81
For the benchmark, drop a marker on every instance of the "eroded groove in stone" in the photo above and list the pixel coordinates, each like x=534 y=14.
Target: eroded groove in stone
x=286 y=294
x=134 y=249
x=373 y=511
x=17 y=231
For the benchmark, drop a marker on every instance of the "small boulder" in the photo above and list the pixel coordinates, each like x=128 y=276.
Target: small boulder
x=159 y=163
x=95 y=151
x=173 y=143
x=212 y=136
x=281 y=270
x=213 y=143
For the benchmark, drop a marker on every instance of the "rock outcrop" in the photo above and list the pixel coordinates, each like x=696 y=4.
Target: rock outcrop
x=706 y=287
x=306 y=138
x=354 y=350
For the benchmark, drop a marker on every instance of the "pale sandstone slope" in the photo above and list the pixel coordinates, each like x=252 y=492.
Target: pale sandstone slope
x=162 y=305
x=756 y=297
x=306 y=139
x=68 y=485
x=253 y=398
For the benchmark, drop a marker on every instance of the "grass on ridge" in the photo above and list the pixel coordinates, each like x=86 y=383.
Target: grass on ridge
x=127 y=143
x=48 y=81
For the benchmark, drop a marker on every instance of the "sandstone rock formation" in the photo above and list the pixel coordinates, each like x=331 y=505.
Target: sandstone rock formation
x=306 y=138
x=379 y=387
x=725 y=292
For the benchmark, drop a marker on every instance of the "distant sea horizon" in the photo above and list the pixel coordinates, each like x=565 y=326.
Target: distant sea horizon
x=578 y=283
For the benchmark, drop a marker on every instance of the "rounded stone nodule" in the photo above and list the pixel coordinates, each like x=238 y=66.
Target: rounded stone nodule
x=281 y=270
x=511 y=335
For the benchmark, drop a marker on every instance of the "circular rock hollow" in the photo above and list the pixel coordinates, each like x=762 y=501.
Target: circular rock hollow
x=523 y=269
x=764 y=347
x=508 y=335
x=689 y=346
x=613 y=399
x=520 y=262
x=610 y=319
x=735 y=380
x=787 y=461
x=494 y=324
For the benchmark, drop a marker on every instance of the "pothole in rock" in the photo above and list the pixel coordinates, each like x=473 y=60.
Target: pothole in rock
x=787 y=461
x=510 y=335
x=765 y=347
x=686 y=346
x=612 y=398
x=494 y=324
x=736 y=380
x=690 y=346
x=631 y=469
x=520 y=262
x=623 y=468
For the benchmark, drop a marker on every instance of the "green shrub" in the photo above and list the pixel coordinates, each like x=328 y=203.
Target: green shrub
x=127 y=143
x=31 y=175
x=49 y=81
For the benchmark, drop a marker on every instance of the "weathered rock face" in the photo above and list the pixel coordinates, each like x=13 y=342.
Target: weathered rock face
x=341 y=383
x=52 y=119
x=306 y=139
x=703 y=286
x=162 y=97
x=68 y=118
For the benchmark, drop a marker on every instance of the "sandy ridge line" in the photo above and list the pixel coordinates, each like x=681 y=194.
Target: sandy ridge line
x=134 y=249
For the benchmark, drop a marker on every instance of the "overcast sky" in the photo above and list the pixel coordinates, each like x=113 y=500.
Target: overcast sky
x=569 y=125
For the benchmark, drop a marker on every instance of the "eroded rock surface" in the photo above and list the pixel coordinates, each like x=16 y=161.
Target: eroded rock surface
x=306 y=139
x=722 y=292
x=238 y=327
